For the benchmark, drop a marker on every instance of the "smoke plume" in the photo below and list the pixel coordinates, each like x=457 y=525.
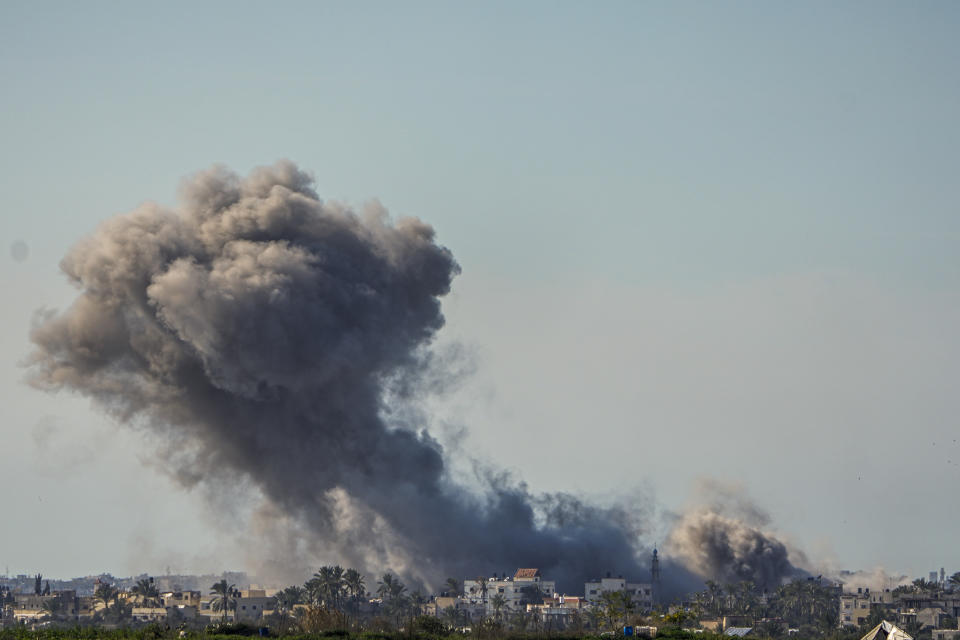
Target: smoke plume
x=263 y=335
x=725 y=539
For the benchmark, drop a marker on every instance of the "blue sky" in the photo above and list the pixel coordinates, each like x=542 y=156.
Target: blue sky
x=722 y=238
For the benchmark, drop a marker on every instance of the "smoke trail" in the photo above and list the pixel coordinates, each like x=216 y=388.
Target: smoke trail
x=725 y=540
x=264 y=334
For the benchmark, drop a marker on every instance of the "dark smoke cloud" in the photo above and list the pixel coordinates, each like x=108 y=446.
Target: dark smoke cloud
x=725 y=540
x=263 y=335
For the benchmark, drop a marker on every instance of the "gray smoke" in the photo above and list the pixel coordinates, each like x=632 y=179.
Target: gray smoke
x=726 y=540
x=266 y=336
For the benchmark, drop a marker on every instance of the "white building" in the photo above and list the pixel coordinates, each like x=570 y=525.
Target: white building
x=527 y=586
x=641 y=593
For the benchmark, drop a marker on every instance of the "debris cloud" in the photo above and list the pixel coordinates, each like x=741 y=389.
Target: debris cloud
x=725 y=539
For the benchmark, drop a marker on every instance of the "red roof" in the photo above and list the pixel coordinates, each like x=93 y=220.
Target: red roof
x=526 y=573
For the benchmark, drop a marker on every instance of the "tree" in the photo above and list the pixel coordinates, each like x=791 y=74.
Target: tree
x=355 y=588
x=291 y=596
x=389 y=587
x=146 y=592
x=225 y=599
x=612 y=606
x=38 y=585
x=498 y=602
x=519 y=621
x=283 y=605
x=954 y=580
x=484 y=588
x=714 y=596
x=391 y=591
x=451 y=615
x=595 y=617
x=53 y=607
x=453 y=587
x=327 y=587
x=920 y=585
x=107 y=594
x=806 y=602
x=744 y=597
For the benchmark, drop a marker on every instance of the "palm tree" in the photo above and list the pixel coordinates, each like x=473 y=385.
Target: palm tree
x=744 y=597
x=954 y=580
x=327 y=586
x=106 y=594
x=391 y=591
x=498 y=602
x=225 y=597
x=715 y=593
x=291 y=596
x=355 y=590
x=483 y=591
x=390 y=588
x=146 y=591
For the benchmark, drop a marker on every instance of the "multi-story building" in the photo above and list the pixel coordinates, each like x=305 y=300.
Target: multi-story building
x=641 y=593
x=527 y=586
x=854 y=608
x=251 y=605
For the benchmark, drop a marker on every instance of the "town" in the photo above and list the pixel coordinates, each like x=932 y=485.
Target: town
x=523 y=602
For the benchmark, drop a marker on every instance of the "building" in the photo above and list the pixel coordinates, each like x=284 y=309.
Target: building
x=926 y=618
x=641 y=593
x=149 y=614
x=527 y=586
x=854 y=608
x=559 y=612
x=181 y=598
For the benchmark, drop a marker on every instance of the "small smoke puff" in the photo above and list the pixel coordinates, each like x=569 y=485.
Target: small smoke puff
x=19 y=251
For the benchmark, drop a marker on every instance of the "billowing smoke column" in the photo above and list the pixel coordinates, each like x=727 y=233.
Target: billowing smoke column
x=725 y=540
x=265 y=335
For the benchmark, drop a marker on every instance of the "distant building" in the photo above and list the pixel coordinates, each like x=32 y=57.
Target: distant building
x=527 y=586
x=641 y=593
x=854 y=608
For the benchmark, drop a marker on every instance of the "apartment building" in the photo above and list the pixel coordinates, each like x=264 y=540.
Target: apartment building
x=641 y=593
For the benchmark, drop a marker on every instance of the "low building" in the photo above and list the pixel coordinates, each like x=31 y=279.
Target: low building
x=181 y=598
x=149 y=614
x=251 y=605
x=558 y=612
x=926 y=618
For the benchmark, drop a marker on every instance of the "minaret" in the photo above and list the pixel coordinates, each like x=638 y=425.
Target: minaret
x=655 y=577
